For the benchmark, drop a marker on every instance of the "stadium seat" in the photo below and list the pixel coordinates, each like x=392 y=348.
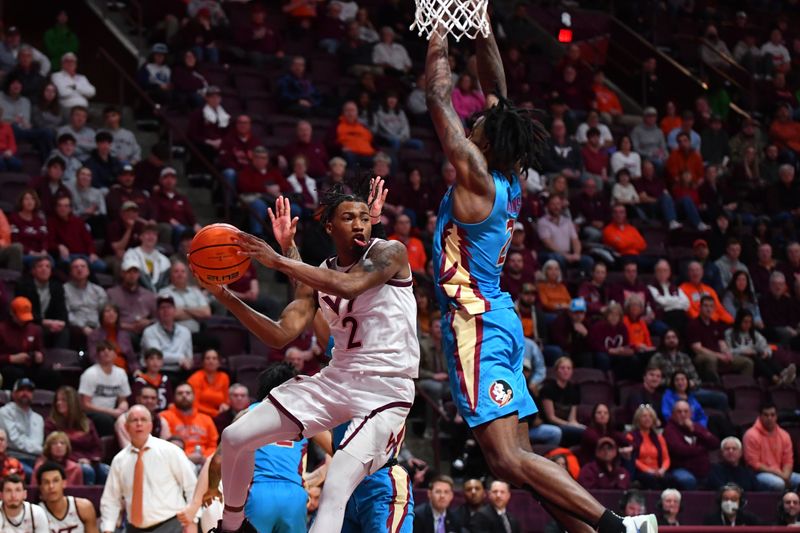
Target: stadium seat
x=67 y=363
x=237 y=362
x=735 y=381
x=248 y=376
x=749 y=398
x=583 y=375
x=593 y=392
x=232 y=339
x=785 y=399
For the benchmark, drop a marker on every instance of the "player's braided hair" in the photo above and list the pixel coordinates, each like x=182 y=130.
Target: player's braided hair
x=338 y=194
x=516 y=138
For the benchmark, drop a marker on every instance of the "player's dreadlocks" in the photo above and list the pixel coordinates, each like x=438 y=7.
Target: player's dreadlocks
x=516 y=138
x=336 y=195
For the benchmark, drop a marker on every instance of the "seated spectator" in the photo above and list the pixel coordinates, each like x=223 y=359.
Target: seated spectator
x=606 y=100
x=239 y=401
x=355 y=54
x=88 y=202
x=261 y=41
x=10 y=252
x=155 y=76
x=686 y=127
x=190 y=302
x=780 y=312
x=109 y=330
x=48 y=302
x=789 y=509
x=791 y=268
x=638 y=332
x=153 y=265
x=23 y=425
x=57 y=449
x=354 y=139
x=608 y=340
x=560 y=398
x=630 y=285
x=148 y=170
x=730 y=512
x=104 y=166
x=390 y=55
x=468 y=99
x=124 y=146
x=151 y=376
x=669 y=504
x=648 y=139
x=189 y=84
x=124 y=233
x=705 y=337
x=591 y=212
x=173 y=210
x=669 y=301
x=650 y=452
x=514 y=276
x=785 y=132
x=29 y=72
x=84 y=135
x=633 y=503
x=685 y=158
x=595 y=290
x=296 y=93
x=68 y=237
x=104 y=390
x=574 y=92
x=211 y=386
x=137 y=305
x=715 y=147
x=127 y=190
x=51 y=187
x=331 y=29
x=9 y=162
x=436 y=515
x=740 y=296
x=172 y=339
x=47 y=111
x=21 y=343
x=731 y=469
x=624 y=193
x=29 y=226
x=416 y=251
x=605 y=471
x=532 y=318
x=696 y=290
x=60 y=39
x=16 y=110
x=84 y=301
x=195 y=429
x=559 y=237
x=260 y=185
x=626 y=158
x=316 y=154
x=649 y=392
x=563 y=155
x=595 y=159
x=9 y=466
x=729 y=263
x=553 y=293
x=679 y=390
x=303 y=186
x=622 y=237
x=761 y=271
x=782 y=197
x=601 y=426
x=570 y=332
x=73 y=89
x=236 y=149
x=391 y=126
x=593 y=121
x=209 y=124
x=768 y=451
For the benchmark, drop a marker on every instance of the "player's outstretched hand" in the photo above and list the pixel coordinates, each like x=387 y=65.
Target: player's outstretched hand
x=284 y=227
x=257 y=249
x=376 y=199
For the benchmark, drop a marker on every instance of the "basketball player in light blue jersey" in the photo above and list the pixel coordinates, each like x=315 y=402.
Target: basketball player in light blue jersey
x=482 y=335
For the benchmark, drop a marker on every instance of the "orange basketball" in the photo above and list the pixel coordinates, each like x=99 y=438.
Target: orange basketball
x=213 y=255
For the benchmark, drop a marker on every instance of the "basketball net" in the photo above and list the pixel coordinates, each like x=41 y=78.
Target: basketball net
x=460 y=18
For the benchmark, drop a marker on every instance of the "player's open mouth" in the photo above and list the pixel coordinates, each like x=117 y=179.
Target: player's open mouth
x=359 y=240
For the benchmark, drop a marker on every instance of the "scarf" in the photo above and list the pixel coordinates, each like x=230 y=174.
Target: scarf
x=219 y=117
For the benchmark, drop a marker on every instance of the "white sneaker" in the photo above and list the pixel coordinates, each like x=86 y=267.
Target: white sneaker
x=645 y=523
x=703 y=227
x=675 y=225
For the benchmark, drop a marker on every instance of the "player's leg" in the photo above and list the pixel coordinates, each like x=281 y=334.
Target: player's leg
x=344 y=475
x=262 y=425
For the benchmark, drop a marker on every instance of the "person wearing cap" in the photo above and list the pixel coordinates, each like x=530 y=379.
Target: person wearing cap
x=648 y=139
x=297 y=94
x=105 y=167
x=209 y=124
x=127 y=190
x=123 y=233
x=605 y=472
x=137 y=305
x=21 y=342
x=750 y=135
x=124 y=145
x=172 y=339
x=104 y=390
x=570 y=332
x=173 y=210
x=68 y=237
x=687 y=123
x=84 y=301
x=155 y=76
x=46 y=294
x=24 y=426
x=153 y=265
x=77 y=127
x=73 y=88
x=10 y=48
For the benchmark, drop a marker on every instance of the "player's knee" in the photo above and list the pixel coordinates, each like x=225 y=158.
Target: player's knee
x=506 y=466
x=234 y=437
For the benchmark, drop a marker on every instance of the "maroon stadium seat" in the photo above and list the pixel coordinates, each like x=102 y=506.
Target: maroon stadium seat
x=785 y=399
x=593 y=392
x=583 y=375
x=232 y=339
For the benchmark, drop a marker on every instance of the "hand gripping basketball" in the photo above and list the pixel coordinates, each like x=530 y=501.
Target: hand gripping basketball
x=257 y=249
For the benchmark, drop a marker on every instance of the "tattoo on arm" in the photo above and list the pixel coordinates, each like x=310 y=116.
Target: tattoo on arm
x=293 y=253
x=491 y=75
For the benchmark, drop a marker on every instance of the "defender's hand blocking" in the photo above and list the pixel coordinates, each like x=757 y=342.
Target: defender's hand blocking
x=257 y=249
x=376 y=199
x=284 y=227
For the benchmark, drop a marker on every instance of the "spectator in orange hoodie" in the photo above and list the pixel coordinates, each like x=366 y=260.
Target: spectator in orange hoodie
x=8 y=148
x=196 y=430
x=785 y=132
x=354 y=138
x=210 y=386
x=768 y=451
x=685 y=158
x=638 y=338
x=606 y=100
x=695 y=289
x=621 y=236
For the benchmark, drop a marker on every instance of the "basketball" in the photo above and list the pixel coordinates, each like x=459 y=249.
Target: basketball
x=213 y=255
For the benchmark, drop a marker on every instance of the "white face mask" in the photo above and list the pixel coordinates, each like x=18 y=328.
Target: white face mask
x=729 y=507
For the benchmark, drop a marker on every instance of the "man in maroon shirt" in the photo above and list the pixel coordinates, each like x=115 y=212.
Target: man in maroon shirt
x=259 y=185
x=126 y=190
x=595 y=158
x=20 y=342
x=605 y=472
x=689 y=444
x=148 y=170
x=124 y=232
x=262 y=42
x=50 y=187
x=314 y=151
x=174 y=213
x=706 y=338
x=69 y=238
x=236 y=149
x=781 y=312
x=514 y=275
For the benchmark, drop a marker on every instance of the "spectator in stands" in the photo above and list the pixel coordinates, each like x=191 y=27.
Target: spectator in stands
x=60 y=39
x=494 y=517
x=261 y=41
x=47 y=110
x=713 y=50
x=23 y=425
x=390 y=55
x=433 y=367
x=148 y=396
x=679 y=390
x=533 y=320
x=715 y=143
x=608 y=340
x=165 y=470
x=173 y=210
x=151 y=375
x=9 y=466
x=624 y=193
x=297 y=94
x=730 y=513
x=731 y=469
x=236 y=148
x=606 y=101
x=750 y=136
x=782 y=197
x=652 y=191
x=776 y=52
x=686 y=127
x=514 y=275
x=65 y=150
x=416 y=251
x=605 y=471
x=436 y=515
x=648 y=139
x=201 y=32
x=16 y=110
x=391 y=126
x=560 y=398
x=191 y=304
x=705 y=337
x=109 y=330
x=468 y=99
x=650 y=452
x=197 y=430
x=622 y=237
x=685 y=158
x=10 y=48
x=126 y=190
x=155 y=76
x=741 y=296
x=789 y=509
x=189 y=84
x=210 y=386
x=649 y=393
x=84 y=301
x=669 y=301
x=28 y=72
x=88 y=202
x=630 y=285
x=46 y=295
x=696 y=290
x=137 y=305
x=331 y=28
x=553 y=293
x=559 y=237
x=124 y=232
x=68 y=237
x=153 y=266
x=124 y=146
x=57 y=449
x=355 y=55
x=638 y=334
x=626 y=158
x=21 y=343
x=669 y=506
x=29 y=226
x=104 y=166
x=354 y=139
x=761 y=271
x=208 y=125
x=729 y=264
x=574 y=92
x=785 y=133
x=595 y=158
x=73 y=89
x=304 y=187
x=104 y=390
x=474 y=499
x=601 y=426
x=780 y=312
x=9 y=162
x=172 y=339
x=595 y=290
x=239 y=401
x=768 y=451
x=83 y=134
x=314 y=151
x=591 y=212
x=563 y=154
x=260 y=184
x=791 y=268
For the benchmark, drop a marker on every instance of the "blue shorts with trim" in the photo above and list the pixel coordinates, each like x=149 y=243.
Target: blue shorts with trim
x=382 y=503
x=276 y=507
x=484 y=360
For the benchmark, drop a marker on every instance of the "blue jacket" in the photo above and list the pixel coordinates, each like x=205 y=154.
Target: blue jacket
x=669 y=399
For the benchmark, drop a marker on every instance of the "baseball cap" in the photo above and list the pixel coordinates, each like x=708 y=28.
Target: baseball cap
x=605 y=441
x=700 y=242
x=165 y=300
x=577 y=305
x=129 y=263
x=159 y=48
x=650 y=111
x=22 y=309
x=168 y=170
x=127 y=169
x=129 y=205
x=24 y=383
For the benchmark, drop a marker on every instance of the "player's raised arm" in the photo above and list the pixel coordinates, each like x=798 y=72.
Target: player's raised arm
x=491 y=75
x=470 y=163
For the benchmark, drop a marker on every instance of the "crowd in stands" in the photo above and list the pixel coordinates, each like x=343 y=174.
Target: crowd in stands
x=655 y=265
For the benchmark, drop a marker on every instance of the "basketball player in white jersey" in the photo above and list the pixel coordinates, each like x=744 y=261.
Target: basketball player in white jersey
x=17 y=515
x=65 y=514
x=364 y=293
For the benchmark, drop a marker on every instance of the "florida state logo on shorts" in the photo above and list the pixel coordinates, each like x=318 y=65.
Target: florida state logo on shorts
x=501 y=392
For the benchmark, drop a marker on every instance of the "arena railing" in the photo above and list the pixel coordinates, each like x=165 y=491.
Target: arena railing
x=173 y=129
x=438 y=414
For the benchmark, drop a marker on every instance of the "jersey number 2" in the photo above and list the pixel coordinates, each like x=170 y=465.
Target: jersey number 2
x=353 y=323
x=501 y=259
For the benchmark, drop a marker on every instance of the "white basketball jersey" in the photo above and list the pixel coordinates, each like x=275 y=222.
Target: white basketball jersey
x=32 y=520
x=375 y=332
x=69 y=523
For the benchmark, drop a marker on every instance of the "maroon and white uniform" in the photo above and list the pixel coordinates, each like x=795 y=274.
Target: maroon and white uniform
x=69 y=523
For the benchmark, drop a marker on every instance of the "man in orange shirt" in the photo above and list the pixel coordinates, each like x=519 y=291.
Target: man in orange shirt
x=621 y=236
x=354 y=137
x=784 y=131
x=685 y=158
x=695 y=289
x=416 y=250
x=196 y=430
x=606 y=100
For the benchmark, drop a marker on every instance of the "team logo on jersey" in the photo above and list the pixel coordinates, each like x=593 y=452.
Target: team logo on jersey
x=501 y=392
